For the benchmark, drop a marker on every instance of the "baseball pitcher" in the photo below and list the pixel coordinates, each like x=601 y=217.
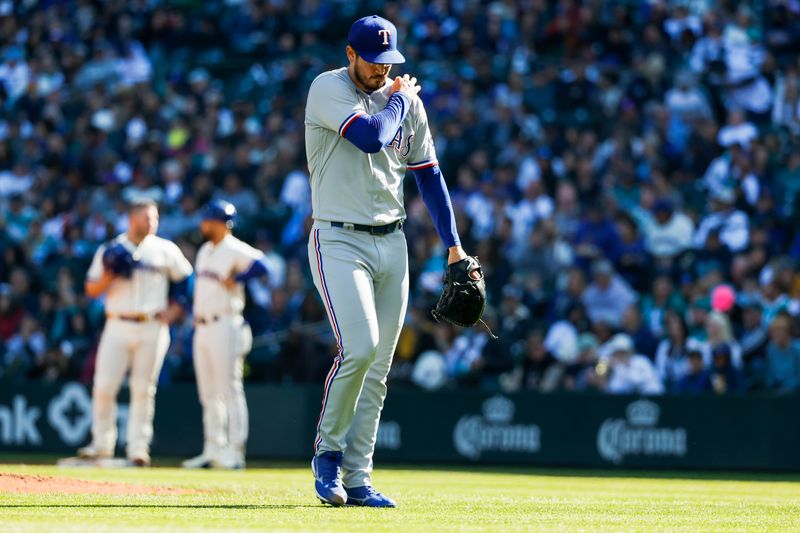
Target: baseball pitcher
x=222 y=338
x=363 y=131
x=134 y=271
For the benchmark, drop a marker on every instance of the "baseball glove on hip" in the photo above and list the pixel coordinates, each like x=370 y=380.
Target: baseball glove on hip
x=464 y=296
x=118 y=260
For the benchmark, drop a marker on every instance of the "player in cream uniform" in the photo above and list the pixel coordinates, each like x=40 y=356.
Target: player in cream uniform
x=136 y=334
x=222 y=338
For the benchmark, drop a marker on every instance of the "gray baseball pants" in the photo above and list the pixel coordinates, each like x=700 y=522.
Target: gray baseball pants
x=363 y=282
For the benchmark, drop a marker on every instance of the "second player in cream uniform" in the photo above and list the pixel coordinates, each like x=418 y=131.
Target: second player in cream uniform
x=222 y=338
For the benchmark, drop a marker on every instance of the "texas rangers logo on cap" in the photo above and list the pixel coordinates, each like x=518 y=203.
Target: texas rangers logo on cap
x=375 y=40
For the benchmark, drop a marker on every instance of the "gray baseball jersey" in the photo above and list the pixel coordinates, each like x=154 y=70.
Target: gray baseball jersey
x=348 y=185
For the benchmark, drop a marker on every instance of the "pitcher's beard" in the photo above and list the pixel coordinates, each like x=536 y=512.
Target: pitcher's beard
x=371 y=83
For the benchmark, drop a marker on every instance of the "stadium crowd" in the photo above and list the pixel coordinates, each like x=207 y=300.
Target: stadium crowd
x=627 y=172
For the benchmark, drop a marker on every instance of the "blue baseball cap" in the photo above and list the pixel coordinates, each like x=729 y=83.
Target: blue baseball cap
x=375 y=39
x=220 y=210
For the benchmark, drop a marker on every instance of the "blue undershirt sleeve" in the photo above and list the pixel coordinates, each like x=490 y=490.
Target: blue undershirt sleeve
x=433 y=189
x=370 y=133
x=181 y=291
x=257 y=269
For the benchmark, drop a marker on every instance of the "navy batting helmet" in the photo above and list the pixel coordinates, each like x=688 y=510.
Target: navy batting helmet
x=220 y=210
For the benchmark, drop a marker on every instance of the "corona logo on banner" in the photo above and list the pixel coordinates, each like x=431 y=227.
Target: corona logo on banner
x=638 y=435
x=493 y=431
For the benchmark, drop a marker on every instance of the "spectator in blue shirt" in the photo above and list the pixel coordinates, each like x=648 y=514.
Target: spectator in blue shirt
x=596 y=237
x=698 y=379
x=634 y=261
x=783 y=356
x=725 y=378
x=608 y=296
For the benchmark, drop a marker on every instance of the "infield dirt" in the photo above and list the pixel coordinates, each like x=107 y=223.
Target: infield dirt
x=36 y=484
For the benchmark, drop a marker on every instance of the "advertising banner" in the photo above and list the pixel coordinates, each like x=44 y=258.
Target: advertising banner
x=467 y=427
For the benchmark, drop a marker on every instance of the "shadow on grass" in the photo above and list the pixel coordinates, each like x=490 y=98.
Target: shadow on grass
x=145 y=506
x=562 y=471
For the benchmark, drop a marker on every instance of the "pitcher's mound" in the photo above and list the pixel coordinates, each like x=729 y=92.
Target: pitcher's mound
x=79 y=462
x=31 y=483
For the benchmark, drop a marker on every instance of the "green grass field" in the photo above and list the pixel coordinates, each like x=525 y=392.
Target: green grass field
x=479 y=499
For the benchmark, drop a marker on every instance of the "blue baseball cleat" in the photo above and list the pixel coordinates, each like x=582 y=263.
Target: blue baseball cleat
x=367 y=496
x=327 y=469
